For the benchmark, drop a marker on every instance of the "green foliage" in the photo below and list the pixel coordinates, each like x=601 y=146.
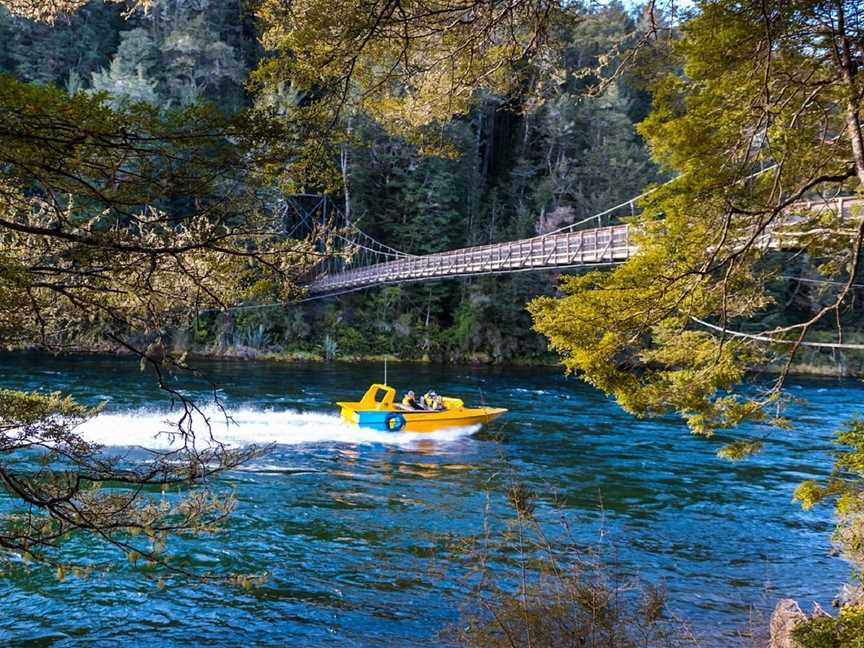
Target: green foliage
x=129 y=80
x=601 y=329
x=186 y=65
x=97 y=194
x=634 y=332
x=47 y=53
x=176 y=54
x=52 y=413
x=198 y=64
x=200 y=330
x=738 y=450
x=374 y=59
x=465 y=325
x=331 y=348
x=67 y=485
x=846 y=631
x=120 y=221
x=845 y=487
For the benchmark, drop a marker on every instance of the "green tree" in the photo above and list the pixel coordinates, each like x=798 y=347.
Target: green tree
x=757 y=90
x=131 y=78
x=82 y=42
x=7 y=33
x=124 y=225
x=198 y=64
x=764 y=111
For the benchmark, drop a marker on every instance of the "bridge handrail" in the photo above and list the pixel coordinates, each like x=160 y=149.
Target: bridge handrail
x=608 y=244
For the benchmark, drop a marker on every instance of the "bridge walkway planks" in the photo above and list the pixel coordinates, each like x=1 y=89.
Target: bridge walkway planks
x=566 y=249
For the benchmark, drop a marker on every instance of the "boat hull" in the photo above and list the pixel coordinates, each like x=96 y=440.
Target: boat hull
x=394 y=420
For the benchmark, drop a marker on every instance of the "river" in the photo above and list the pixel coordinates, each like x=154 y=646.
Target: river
x=358 y=529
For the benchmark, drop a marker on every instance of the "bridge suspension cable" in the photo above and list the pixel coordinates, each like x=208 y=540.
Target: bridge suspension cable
x=569 y=246
x=370 y=244
x=631 y=203
x=775 y=340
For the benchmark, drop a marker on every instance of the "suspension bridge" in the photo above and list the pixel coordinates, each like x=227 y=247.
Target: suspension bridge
x=356 y=261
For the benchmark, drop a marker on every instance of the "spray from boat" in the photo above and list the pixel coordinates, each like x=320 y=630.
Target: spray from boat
x=151 y=428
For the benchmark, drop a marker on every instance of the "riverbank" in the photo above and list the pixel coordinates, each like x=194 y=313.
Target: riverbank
x=847 y=366
x=816 y=365
x=248 y=353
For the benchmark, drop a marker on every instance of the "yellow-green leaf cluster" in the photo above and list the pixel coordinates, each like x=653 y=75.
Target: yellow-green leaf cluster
x=408 y=64
x=751 y=120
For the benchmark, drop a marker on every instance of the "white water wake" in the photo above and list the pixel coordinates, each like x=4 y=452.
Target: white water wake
x=246 y=426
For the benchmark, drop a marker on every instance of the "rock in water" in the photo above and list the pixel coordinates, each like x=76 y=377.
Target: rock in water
x=785 y=617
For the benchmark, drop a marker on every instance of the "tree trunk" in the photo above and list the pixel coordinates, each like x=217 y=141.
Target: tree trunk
x=345 y=165
x=849 y=70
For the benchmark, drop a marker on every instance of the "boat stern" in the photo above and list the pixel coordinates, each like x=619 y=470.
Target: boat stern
x=349 y=412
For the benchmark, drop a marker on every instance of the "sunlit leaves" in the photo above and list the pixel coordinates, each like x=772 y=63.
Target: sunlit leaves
x=739 y=450
x=845 y=487
x=67 y=485
x=43 y=10
x=845 y=631
x=51 y=10
x=119 y=224
x=408 y=64
x=132 y=218
x=27 y=414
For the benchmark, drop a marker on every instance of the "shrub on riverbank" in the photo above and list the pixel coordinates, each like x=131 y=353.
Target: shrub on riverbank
x=845 y=631
x=349 y=330
x=845 y=487
x=562 y=610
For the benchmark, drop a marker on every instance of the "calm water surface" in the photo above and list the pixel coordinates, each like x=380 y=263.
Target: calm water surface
x=357 y=528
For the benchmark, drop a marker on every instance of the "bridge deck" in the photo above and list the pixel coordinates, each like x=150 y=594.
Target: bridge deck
x=567 y=249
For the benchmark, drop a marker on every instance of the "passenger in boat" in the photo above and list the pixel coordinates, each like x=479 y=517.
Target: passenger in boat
x=433 y=402
x=409 y=401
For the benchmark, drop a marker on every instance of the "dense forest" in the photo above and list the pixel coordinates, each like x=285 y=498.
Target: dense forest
x=512 y=172
x=512 y=169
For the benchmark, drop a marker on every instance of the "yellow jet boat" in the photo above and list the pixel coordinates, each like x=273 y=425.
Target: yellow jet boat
x=382 y=413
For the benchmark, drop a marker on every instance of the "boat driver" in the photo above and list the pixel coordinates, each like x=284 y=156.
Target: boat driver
x=409 y=401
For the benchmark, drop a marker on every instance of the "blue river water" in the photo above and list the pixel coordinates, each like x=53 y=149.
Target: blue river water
x=359 y=530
